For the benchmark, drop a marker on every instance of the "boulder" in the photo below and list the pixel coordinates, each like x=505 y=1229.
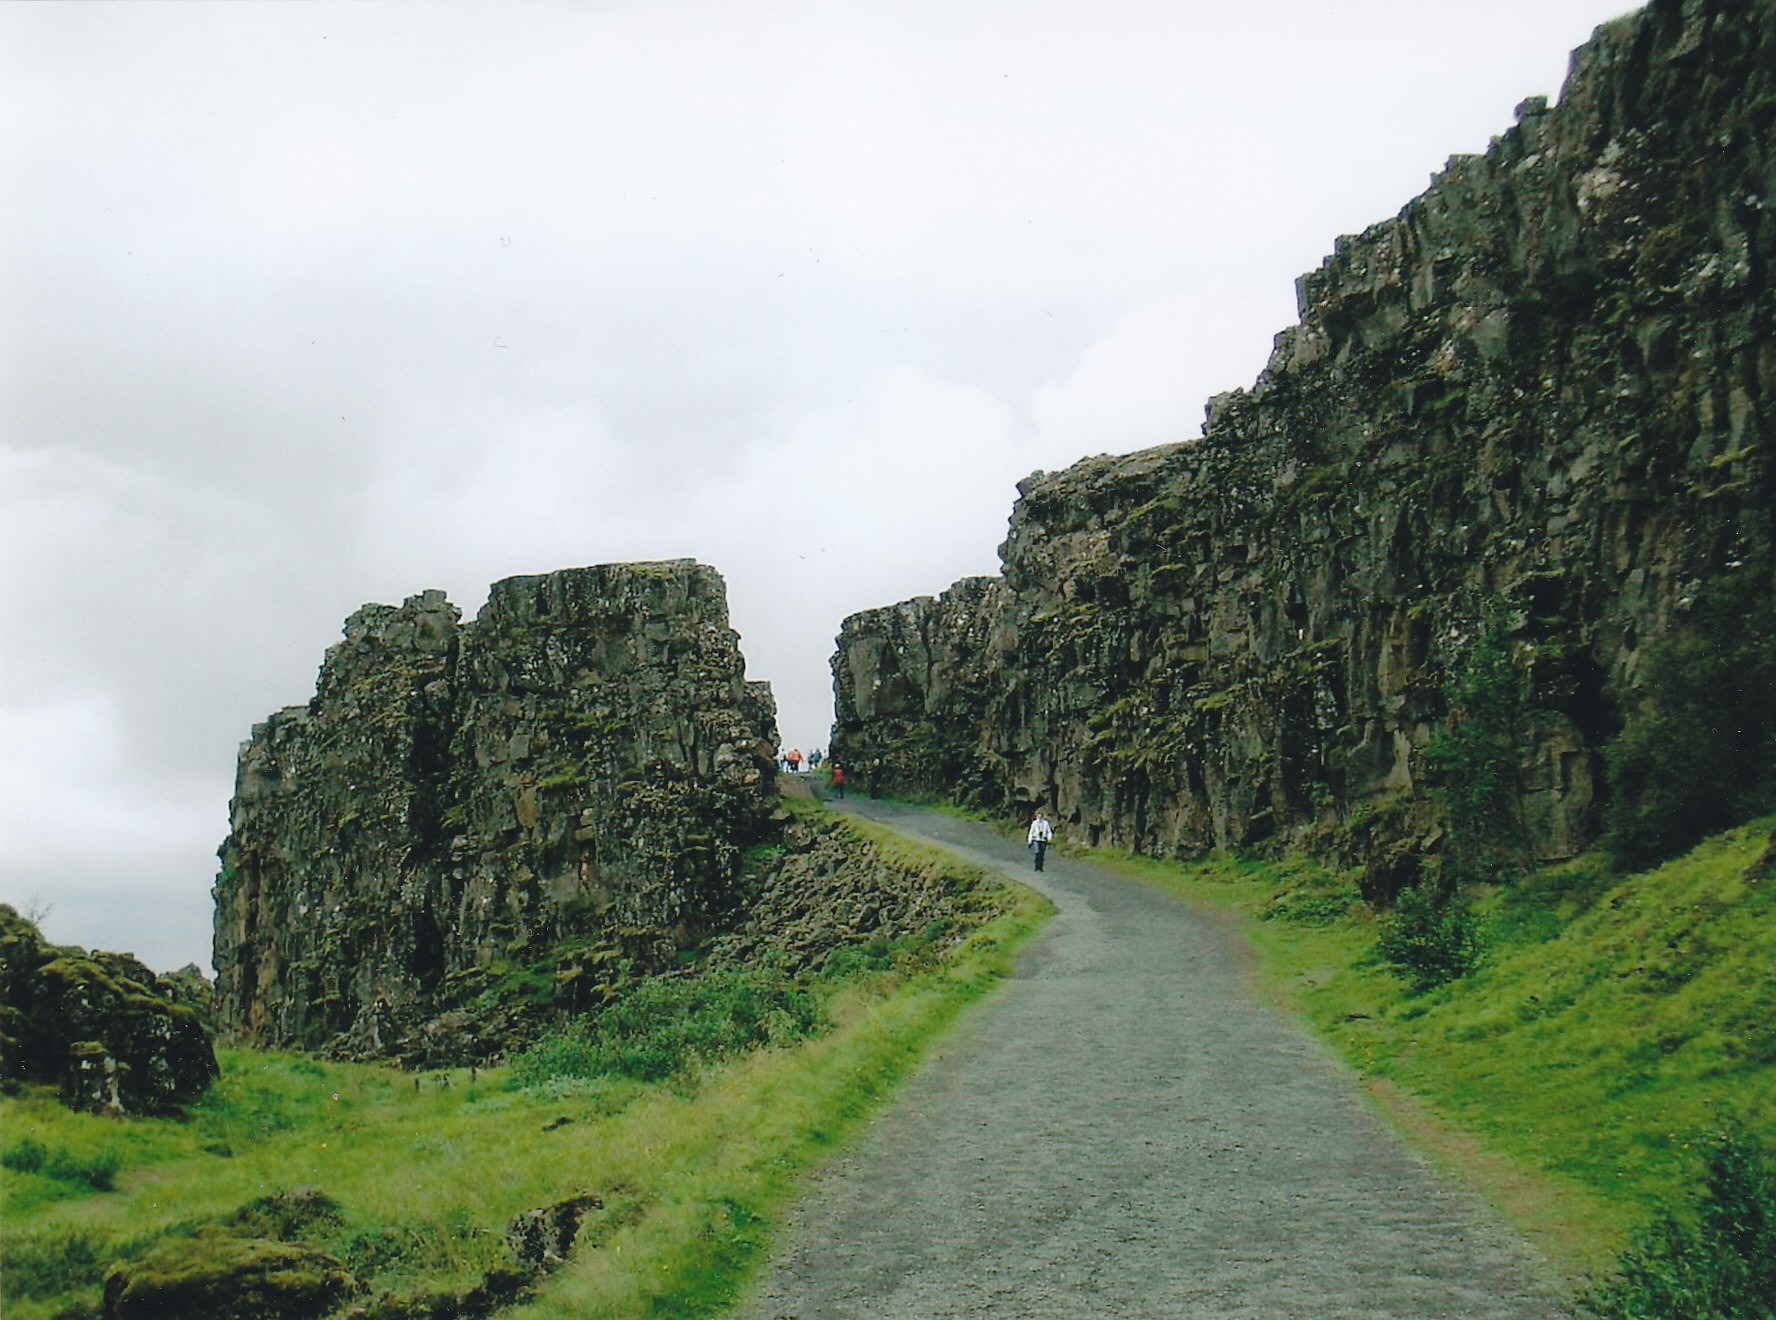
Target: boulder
x=540 y=1239
x=227 y=1278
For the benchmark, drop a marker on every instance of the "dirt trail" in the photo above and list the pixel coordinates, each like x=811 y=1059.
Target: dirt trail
x=1124 y=1130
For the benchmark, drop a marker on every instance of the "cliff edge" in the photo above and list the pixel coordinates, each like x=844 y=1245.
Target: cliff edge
x=1529 y=418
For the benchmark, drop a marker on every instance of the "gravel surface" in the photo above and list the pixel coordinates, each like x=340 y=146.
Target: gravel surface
x=1124 y=1130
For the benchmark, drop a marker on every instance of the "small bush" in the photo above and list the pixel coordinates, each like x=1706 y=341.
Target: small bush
x=1317 y=908
x=848 y=960
x=1719 y=1264
x=1478 y=755
x=1430 y=938
x=97 y=1171
x=659 y=1028
x=373 y=1251
x=25 y=1155
x=53 y=1264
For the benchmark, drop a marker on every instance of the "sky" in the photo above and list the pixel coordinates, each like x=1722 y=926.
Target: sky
x=309 y=305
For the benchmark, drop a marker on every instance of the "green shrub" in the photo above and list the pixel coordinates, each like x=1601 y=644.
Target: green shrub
x=659 y=1028
x=1720 y=1263
x=1699 y=753
x=50 y=1264
x=1478 y=755
x=1318 y=908
x=1431 y=937
x=96 y=1170
x=848 y=960
x=25 y=1155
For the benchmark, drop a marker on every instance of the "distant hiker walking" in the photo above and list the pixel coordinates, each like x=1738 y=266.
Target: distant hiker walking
x=838 y=780
x=795 y=760
x=1041 y=835
x=873 y=774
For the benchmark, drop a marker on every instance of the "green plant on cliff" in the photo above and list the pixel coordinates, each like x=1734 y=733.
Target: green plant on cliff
x=1478 y=756
x=1698 y=754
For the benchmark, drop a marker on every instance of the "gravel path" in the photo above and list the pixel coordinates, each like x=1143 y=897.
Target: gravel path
x=1123 y=1130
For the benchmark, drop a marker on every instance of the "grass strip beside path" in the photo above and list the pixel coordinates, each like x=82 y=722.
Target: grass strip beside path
x=724 y=1164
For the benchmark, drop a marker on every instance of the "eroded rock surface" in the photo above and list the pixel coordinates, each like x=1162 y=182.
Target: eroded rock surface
x=828 y=887
x=1544 y=387
x=585 y=760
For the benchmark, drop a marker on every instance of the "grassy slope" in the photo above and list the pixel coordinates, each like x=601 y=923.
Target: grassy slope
x=1616 y=1020
x=693 y=1175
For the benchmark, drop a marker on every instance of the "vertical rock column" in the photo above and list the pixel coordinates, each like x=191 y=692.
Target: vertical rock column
x=585 y=756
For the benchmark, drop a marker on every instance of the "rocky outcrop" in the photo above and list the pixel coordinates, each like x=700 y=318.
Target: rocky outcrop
x=540 y=1239
x=102 y=1027
x=1543 y=393
x=829 y=886
x=584 y=761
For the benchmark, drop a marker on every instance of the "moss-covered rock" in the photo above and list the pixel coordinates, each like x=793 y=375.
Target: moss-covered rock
x=100 y=1026
x=540 y=1239
x=228 y=1278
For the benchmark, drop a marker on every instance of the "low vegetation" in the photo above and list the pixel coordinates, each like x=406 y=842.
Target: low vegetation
x=1719 y=1260
x=1644 y=998
x=686 y=1115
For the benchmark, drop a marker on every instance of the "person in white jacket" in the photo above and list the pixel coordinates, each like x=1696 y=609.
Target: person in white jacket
x=1041 y=834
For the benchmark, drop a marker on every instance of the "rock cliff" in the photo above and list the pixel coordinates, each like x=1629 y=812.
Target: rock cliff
x=1541 y=395
x=584 y=762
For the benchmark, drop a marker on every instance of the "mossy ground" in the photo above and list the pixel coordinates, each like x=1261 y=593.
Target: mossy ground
x=428 y=1169
x=1614 y=1023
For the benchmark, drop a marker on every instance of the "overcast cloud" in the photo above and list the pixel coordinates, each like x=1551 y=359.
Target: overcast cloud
x=311 y=305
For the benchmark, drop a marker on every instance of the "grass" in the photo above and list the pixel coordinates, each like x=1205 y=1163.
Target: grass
x=694 y=1170
x=1576 y=1076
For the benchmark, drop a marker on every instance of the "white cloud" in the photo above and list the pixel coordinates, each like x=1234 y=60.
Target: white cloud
x=1146 y=382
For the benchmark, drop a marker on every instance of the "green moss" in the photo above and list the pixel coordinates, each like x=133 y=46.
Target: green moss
x=227 y=1278
x=1316 y=486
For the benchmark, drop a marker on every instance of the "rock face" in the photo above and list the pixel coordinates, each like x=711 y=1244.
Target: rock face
x=1542 y=392
x=586 y=756
x=114 y=1037
x=828 y=887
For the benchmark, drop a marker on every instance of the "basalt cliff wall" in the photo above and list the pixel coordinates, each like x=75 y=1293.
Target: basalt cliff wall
x=585 y=761
x=1542 y=395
